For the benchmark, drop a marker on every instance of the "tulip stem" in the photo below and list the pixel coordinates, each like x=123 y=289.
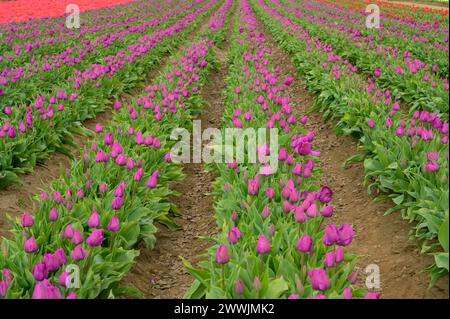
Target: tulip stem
x=223 y=277
x=29 y=263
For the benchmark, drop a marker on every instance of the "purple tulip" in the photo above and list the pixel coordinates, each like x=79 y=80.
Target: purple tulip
x=331 y=235
x=95 y=238
x=40 y=272
x=346 y=234
x=3 y=289
x=239 y=288
x=319 y=279
x=305 y=244
x=327 y=211
x=325 y=194
x=31 y=246
x=53 y=216
x=222 y=255
x=234 y=235
x=27 y=220
x=372 y=295
x=45 y=290
x=78 y=253
x=77 y=237
x=113 y=225
x=94 y=220
x=263 y=246
x=330 y=259
x=153 y=180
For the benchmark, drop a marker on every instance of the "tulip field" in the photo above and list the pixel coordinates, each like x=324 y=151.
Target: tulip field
x=95 y=203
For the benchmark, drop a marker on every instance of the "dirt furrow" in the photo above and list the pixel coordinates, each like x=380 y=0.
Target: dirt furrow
x=160 y=273
x=381 y=240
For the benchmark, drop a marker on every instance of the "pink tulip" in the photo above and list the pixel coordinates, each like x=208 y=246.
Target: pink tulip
x=263 y=246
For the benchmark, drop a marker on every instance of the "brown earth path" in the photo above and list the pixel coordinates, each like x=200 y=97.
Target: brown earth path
x=381 y=240
x=160 y=273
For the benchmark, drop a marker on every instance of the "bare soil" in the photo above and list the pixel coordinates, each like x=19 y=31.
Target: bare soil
x=381 y=240
x=160 y=273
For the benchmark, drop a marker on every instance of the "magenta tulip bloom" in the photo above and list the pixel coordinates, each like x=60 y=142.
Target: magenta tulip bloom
x=339 y=254
x=27 y=220
x=239 y=288
x=153 y=180
x=348 y=293
x=3 y=289
x=371 y=123
x=114 y=225
x=330 y=259
x=331 y=235
x=293 y=296
x=431 y=167
x=305 y=244
x=95 y=238
x=270 y=193
x=78 y=237
x=63 y=278
x=319 y=279
x=234 y=235
x=327 y=211
x=30 y=246
x=40 y=272
x=222 y=255
x=325 y=194
x=72 y=295
x=372 y=295
x=51 y=262
x=346 y=234
x=8 y=276
x=78 y=253
x=266 y=212
x=94 y=220
x=263 y=246
x=45 y=290
x=53 y=216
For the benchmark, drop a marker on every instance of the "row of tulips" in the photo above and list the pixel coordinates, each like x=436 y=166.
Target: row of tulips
x=398 y=146
x=30 y=133
x=415 y=15
x=274 y=241
x=91 y=219
x=77 y=52
x=410 y=79
x=22 y=42
x=418 y=39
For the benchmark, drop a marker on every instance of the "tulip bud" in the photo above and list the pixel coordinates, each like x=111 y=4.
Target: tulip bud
x=53 y=216
x=40 y=272
x=234 y=235
x=263 y=246
x=95 y=238
x=31 y=246
x=27 y=220
x=239 y=288
x=94 y=220
x=257 y=283
x=77 y=237
x=270 y=193
x=222 y=255
x=305 y=244
x=113 y=225
x=78 y=253
x=319 y=279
